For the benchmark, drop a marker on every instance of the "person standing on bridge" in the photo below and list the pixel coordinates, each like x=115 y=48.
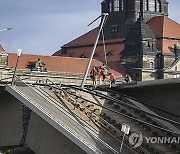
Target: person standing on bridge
x=99 y=75
x=93 y=76
x=112 y=80
x=103 y=72
x=127 y=78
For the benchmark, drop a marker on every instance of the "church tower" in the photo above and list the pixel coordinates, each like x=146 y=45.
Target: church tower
x=140 y=50
x=124 y=13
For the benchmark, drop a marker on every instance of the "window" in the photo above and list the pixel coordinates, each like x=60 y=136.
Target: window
x=151 y=65
x=146 y=5
x=149 y=45
x=158 y=6
x=116 y=5
x=152 y=5
x=83 y=56
x=122 y=5
x=110 y=6
x=109 y=54
x=114 y=28
x=96 y=55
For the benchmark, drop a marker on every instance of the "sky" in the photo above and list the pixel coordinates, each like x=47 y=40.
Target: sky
x=43 y=26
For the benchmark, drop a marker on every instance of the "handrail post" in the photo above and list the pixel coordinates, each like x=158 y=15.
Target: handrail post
x=19 y=52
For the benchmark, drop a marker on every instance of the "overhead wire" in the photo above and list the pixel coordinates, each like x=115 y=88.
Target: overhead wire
x=126 y=96
x=126 y=104
x=136 y=119
x=149 y=99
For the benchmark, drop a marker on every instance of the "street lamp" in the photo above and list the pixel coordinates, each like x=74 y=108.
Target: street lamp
x=104 y=15
x=18 y=53
x=125 y=129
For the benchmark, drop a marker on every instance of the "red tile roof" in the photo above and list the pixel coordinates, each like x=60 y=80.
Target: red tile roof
x=86 y=43
x=113 y=49
x=87 y=38
x=168 y=45
x=167 y=31
x=54 y=63
x=164 y=27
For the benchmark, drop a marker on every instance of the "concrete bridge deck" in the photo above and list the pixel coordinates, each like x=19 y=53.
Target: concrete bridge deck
x=59 y=117
x=52 y=127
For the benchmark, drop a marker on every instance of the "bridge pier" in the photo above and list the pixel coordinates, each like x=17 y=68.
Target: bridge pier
x=11 y=130
x=42 y=138
x=19 y=129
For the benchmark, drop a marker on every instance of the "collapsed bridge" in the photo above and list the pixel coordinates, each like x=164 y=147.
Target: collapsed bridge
x=51 y=118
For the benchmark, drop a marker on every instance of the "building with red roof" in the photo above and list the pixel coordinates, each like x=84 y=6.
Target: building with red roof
x=56 y=64
x=167 y=33
x=52 y=63
x=38 y=68
x=155 y=32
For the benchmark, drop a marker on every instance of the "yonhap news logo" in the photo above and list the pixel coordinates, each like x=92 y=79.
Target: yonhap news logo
x=136 y=140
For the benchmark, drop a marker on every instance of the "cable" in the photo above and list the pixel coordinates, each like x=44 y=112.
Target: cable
x=108 y=109
x=141 y=121
x=126 y=104
x=115 y=92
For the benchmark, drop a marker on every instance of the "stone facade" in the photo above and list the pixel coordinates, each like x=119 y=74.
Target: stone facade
x=3 y=59
x=141 y=58
x=146 y=49
x=140 y=50
x=124 y=13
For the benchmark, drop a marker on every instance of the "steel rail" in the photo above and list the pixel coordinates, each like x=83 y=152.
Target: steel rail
x=123 y=103
x=141 y=121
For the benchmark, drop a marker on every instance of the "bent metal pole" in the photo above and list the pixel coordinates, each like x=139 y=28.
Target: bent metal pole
x=95 y=45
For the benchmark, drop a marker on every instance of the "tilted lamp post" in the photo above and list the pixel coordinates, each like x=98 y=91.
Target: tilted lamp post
x=104 y=18
x=125 y=129
x=19 y=52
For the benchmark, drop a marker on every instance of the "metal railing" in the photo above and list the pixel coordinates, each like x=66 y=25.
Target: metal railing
x=104 y=122
x=57 y=87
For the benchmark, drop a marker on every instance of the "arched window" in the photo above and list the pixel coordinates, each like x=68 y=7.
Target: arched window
x=146 y=5
x=110 y=6
x=83 y=55
x=151 y=64
x=116 y=5
x=158 y=6
x=152 y=5
x=122 y=5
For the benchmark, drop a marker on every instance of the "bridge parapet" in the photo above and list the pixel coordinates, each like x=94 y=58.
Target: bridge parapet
x=11 y=120
x=35 y=77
